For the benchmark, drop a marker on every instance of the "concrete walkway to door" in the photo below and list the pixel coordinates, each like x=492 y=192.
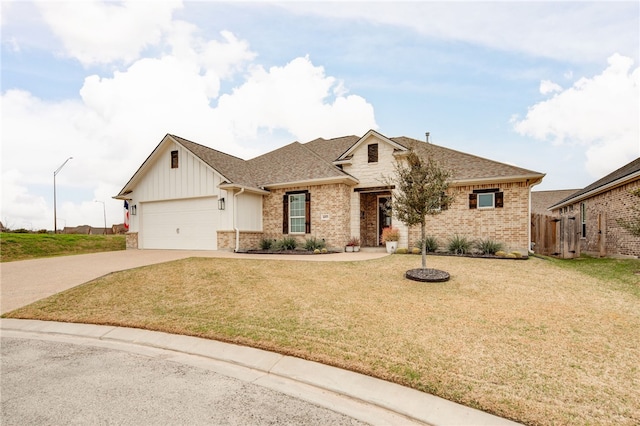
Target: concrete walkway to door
x=26 y=281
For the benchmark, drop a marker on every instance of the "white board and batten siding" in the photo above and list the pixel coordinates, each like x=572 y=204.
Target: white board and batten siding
x=178 y=208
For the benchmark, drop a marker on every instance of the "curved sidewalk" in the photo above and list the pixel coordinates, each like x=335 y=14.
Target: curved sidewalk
x=358 y=396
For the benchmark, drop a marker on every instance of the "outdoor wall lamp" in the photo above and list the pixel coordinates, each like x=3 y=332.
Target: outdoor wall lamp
x=221 y=204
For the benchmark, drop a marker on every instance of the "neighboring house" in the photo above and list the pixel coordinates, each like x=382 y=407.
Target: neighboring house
x=188 y=196
x=542 y=200
x=82 y=229
x=590 y=217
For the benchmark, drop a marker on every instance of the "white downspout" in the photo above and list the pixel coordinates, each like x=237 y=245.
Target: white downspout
x=235 y=213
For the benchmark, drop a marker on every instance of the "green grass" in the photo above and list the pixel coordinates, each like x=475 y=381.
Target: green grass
x=30 y=246
x=624 y=273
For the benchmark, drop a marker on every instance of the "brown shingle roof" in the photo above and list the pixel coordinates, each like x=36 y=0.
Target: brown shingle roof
x=313 y=160
x=466 y=166
x=611 y=178
x=331 y=149
x=542 y=200
x=232 y=168
x=292 y=163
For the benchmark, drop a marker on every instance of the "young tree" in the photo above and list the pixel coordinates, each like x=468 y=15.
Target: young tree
x=421 y=190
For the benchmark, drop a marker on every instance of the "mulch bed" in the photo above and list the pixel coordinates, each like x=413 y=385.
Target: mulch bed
x=427 y=275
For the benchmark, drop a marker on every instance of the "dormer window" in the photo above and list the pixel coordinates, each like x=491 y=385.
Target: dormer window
x=372 y=153
x=174 y=159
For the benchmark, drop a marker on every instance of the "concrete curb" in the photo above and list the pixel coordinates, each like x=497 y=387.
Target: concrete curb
x=359 y=396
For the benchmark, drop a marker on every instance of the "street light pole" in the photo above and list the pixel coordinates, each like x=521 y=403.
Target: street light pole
x=55 y=221
x=104 y=212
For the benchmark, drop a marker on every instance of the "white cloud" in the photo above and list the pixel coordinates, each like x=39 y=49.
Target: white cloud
x=298 y=98
x=120 y=118
x=600 y=115
x=104 y=32
x=547 y=87
x=567 y=31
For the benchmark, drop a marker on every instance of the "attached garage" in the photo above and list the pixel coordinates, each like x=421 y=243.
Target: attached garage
x=185 y=224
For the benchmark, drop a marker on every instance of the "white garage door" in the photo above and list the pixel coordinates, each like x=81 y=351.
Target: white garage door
x=188 y=224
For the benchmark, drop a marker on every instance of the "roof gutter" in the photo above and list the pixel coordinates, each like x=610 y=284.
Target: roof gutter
x=349 y=180
x=596 y=191
x=533 y=179
x=243 y=188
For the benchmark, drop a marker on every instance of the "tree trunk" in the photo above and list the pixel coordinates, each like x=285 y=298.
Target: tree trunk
x=424 y=245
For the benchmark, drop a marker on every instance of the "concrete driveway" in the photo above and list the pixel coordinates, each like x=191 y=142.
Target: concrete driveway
x=24 y=282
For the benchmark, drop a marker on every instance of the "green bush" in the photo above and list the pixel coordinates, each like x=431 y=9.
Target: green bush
x=432 y=244
x=287 y=243
x=266 y=243
x=459 y=245
x=314 y=243
x=488 y=246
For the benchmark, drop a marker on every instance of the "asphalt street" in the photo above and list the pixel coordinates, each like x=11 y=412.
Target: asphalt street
x=55 y=383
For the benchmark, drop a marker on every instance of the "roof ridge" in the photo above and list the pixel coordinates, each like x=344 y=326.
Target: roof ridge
x=460 y=152
x=204 y=146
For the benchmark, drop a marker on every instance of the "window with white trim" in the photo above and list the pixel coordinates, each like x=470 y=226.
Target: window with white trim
x=296 y=213
x=485 y=201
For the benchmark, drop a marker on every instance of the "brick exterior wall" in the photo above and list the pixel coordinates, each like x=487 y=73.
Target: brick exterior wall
x=332 y=200
x=131 y=239
x=249 y=240
x=604 y=235
x=508 y=225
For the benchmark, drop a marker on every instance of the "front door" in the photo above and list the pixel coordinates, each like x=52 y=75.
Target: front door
x=384 y=215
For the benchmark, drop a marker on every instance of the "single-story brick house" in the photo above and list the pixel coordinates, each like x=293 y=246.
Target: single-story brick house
x=595 y=212
x=188 y=196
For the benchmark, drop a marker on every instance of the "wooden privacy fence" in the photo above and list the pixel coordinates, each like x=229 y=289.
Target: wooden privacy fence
x=553 y=236
x=544 y=234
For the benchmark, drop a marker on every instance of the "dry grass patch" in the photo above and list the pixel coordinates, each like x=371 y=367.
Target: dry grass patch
x=525 y=340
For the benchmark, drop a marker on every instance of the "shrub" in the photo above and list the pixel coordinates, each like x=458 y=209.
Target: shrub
x=316 y=251
x=390 y=234
x=432 y=244
x=416 y=250
x=501 y=253
x=402 y=251
x=323 y=250
x=288 y=243
x=313 y=243
x=510 y=256
x=516 y=254
x=488 y=246
x=459 y=244
x=266 y=243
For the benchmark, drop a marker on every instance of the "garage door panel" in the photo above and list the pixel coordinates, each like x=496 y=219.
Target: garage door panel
x=180 y=224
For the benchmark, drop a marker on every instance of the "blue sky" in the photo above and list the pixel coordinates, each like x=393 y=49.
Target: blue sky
x=549 y=86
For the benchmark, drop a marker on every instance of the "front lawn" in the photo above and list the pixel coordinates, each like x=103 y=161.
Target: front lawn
x=535 y=341
x=30 y=246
